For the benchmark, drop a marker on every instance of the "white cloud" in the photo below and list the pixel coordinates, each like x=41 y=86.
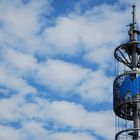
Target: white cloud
x=12 y=81
x=33 y=116
x=96 y=31
x=10 y=109
x=96 y=88
x=9 y=133
x=60 y=75
x=19 y=61
x=36 y=132
x=18 y=41
x=71 y=114
x=22 y=20
x=65 y=36
x=20 y=24
x=72 y=136
x=64 y=78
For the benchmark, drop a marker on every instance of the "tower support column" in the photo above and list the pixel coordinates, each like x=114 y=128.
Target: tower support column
x=137 y=122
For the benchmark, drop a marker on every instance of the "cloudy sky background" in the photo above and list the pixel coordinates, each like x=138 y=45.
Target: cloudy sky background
x=57 y=67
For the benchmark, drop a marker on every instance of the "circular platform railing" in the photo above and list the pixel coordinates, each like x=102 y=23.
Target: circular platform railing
x=126 y=94
x=123 y=53
x=132 y=133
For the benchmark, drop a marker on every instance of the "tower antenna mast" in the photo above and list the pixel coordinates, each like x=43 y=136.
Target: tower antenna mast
x=126 y=86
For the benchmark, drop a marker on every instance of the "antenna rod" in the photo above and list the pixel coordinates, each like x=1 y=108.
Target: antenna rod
x=134 y=37
x=134 y=24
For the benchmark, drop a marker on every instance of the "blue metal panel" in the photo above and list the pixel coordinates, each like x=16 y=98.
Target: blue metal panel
x=125 y=87
x=135 y=86
x=138 y=84
x=128 y=86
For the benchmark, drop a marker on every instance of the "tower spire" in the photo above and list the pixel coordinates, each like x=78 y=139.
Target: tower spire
x=134 y=24
x=126 y=87
x=133 y=32
x=134 y=38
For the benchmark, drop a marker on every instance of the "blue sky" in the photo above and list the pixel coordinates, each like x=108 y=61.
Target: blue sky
x=57 y=67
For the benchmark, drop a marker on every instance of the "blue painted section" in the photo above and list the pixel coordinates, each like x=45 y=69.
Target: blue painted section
x=131 y=87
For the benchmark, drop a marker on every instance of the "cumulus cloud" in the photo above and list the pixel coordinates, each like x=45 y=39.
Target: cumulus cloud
x=65 y=113
x=72 y=136
x=14 y=82
x=96 y=31
x=65 y=35
x=65 y=77
x=60 y=75
x=9 y=133
x=21 y=23
x=22 y=19
x=14 y=134
x=95 y=88
x=21 y=61
x=33 y=117
x=76 y=116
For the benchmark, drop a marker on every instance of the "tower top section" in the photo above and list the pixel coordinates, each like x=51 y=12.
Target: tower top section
x=133 y=32
x=129 y=52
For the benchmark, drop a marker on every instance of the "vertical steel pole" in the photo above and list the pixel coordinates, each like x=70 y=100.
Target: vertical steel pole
x=134 y=65
x=137 y=122
x=134 y=36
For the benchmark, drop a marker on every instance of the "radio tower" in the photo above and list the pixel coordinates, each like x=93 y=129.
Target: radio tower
x=126 y=86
